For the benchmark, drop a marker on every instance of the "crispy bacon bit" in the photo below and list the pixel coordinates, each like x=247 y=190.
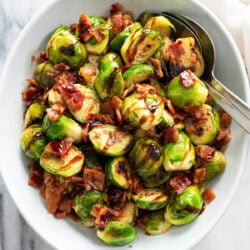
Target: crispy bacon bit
x=190 y=108
x=56 y=111
x=187 y=78
x=33 y=58
x=200 y=114
x=88 y=73
x=144 y=89
x=36 y=175
x=106 y=108
x=64 y=208
x=208 y=195
x=120 y=23
x=93 y=179
x=189 y=126
x=42 y=57
x=205 y=152
x=153 y=134
x=58 y=69
x=199 y=175
x=128 y=91
x=73 y=27
x=171 y=134
x=143 y=220
x=176 y=49
x=157 y=66
x=179 y=115
x=170 y=106
x=117 y=198
x=32 y=92
x=135 y=184
x=179 y=183
x=58 y=148
x=225 y=120
x=116 y=8
x=74 y=179
x=116 y=102
x=224 y=135
x=94 y=119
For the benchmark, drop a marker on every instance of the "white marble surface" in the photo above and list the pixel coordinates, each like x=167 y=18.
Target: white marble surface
x=231 y=232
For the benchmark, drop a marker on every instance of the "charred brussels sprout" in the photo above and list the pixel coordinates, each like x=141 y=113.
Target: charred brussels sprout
x=140 y=46
x=150 y=199
x=144 y=113
x=181 y=96
x=63 y=47
x=117 y=233
x=110 y=57
x=185 y=207
x=109 y=81
x=63 y=129
x=42 y=77
x=206 y=129
x=179 y=155
x=35 y=112
x=127 y=214
x=92 y=158
x=110 y=140
x=166 y=120
x=33 y=141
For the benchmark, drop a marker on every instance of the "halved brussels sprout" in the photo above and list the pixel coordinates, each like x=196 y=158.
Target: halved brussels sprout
x=110 y=57
x=41 y=75
x=92 y=158
x=64 y=47
x=110 y=140
x=90 y=104
x=127 y=214
x=205 y=129
x=145 y=113
x=166 y=120
x=146 y=157
x=63 y=129
x=160 y=24
x=118 y=171
x=33 y=141
x=65 y=165
x=185 y=207
x=109 y=81
x=214 y=167
x=140 y=46
x=89 y=73
x=157 y=224
x=54 y=96
x=138 y=73
x=35 y=112
x=181 y=96
x=117 y=233
x=150 y=199
x=179 y=155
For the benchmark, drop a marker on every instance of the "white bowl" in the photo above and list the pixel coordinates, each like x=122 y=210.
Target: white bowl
x=65 y=234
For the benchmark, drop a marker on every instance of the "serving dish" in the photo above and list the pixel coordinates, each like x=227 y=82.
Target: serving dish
x=63 y=234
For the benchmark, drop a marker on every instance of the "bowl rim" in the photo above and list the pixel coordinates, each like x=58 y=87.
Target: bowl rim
x=228 y=36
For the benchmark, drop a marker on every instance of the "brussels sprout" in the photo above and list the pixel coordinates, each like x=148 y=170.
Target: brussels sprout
x=89 y=73
x=127 y=214
x=35 y=112
x=63 y=129
x=179 y=155
x=146 y=157
x=63 y=47
x=205 y=129
x=90 y=104
x=214 y=167
x=117 y=233
x=118 y=41
x=138 y=73
x=160 y=24
x=166 y=120
x=157 y=223
x=54 y=96
x=110 y=140
x=92 y=158
x=189 y=58
x=181 y=96
x=118 y=171
x=160 y=90
x=140 y=46
x=33 y=141
x=42 y=77
x=66 y=165
x=110 y=57
x=150 y=199
x=144 y=113
x=109 y=81
x=185 y=207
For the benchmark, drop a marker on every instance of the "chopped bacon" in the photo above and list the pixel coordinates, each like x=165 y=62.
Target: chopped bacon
x=128 y=91
x=58 y=69
x=225 y=120
x=58 y=148
x=199 y=175
x=119 y=117
x=73 y=27
x=64 y=208
x=33 y=58
x=42 y=57
x=95 y=119
x=179 y=183
x=143 y=220
x=205 y=152
x=224 y=134
x=190 y=108
x=179 y=115
x=157 y=66
x=120 y=23
x=200 y=114
x=144 y=89
x=135 y=184
x=170 y=106
x=32 y=92
x=189 y=126
x=36 y=175
x=93 y=179
x=116 y=8
x=56 y=111
x=171 y=134
x=153 y=134
x=176 y=49
x=116 y=102
x=107 y=109
x=74 y=179
x=187 y=78
x=117 y=198
x=208 y=195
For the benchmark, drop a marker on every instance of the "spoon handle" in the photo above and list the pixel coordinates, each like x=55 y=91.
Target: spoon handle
x=232 y=104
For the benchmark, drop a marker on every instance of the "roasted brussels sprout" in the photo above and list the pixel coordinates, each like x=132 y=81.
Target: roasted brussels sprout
x=127 y=214
x=166 y=120
x=64 y=47
x=205 y=129
x=179 y=155
x=89 y=73
x=35 y=112
x=118 y=171
x=138 y=73
x=92 y=158
x=185 y=207
x=157 y=224
x=64 y=165
x=33 y=141
x=140 y=46
x=117 y=233
x=109 y=81
x=110 y=140
x=41 y=75
x=63 y=129
x=55 y=96
x=144 y=113
x=150 y=199
x=110 y=57
x=181 y=96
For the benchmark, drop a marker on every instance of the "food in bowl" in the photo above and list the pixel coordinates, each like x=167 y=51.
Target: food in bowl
x=120 y=128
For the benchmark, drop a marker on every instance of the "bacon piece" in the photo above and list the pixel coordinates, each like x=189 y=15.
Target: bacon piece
x=199 y=175
x=58 y=69
x=208 y=195
x=42 y=57
x=116 y=102
x=179 y=183
x=73 y=27
x=144 y=89
x=176 y=49
x=88 y=73
x=36 y=175
x=157 y=66
x=32 y=92
x=58 y=148
x=143 y=220
x=117 y=198
x=200 y=114
x=170 y=106
x=189 y=126
x=74 y=179
x=120 y=23
x=135 y=184
x=128 y=91
x=187 y=78
x=152 y=134
x=224 y=134
x=64 y=208
x=95 y=119
x=225 y=120
x=56 y=111
x=107 y=109
x=171 y=134
x=190 y=108
x=116 y=9
x=93 y=179
x=205 y=152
